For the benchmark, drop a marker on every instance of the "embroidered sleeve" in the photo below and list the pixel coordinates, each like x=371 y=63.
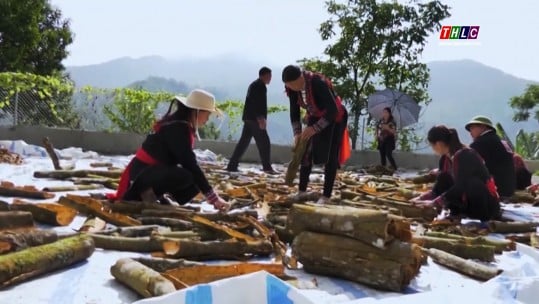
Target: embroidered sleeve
x=296 y=127
x=321 y=124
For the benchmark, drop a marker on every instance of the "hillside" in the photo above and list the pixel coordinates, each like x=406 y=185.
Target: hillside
x=459 y=89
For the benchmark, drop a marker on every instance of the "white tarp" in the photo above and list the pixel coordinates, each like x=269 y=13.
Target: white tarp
x=91 y=282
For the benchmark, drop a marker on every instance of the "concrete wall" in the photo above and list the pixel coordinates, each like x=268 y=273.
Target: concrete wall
x=126 y=143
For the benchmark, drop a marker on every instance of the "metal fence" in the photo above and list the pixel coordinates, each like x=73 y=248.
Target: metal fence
x=25 y=108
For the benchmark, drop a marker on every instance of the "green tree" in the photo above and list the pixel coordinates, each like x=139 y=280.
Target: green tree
x=527 y=144
x=33 y=37
x=37 y=100
x=376 y=44
x=526 y=104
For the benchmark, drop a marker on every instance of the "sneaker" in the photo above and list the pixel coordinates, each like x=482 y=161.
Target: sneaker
x=271 y=171
x=230 y=169
x=304 y=196
x=323 y=200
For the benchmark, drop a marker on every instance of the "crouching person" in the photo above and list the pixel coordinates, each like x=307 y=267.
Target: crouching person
x=166 y=163
x=463 y=185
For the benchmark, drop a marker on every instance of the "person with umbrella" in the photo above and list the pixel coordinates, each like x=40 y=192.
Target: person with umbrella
x=326 y=120
x=386 y=131
x=463 y=185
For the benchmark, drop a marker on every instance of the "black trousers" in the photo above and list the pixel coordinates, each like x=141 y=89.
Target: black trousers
x=473 y=200
x=162 y=179
x=252 y=129
x=332 y=164
x=524 y=178
x=386 y=148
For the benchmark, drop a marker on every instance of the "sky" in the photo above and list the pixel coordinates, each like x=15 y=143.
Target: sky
x=280 y=31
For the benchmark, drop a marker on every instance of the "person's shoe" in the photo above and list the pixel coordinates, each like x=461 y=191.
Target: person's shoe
x=304 y=196
x=271 y=171
x=167 y=199
x=323 y=200
x=232 y=169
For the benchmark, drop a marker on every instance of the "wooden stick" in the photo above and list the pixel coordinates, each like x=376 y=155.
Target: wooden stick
x=73 y=188
x=512 y=227
x=52 y=154
x=215 y=250
x=162 y=265
x=14 y=241
x=15 y=219
x=463 y=266
x=24 y=192
x=119 y=243
x=479 y=252
x=498 y=244
x=65 y=174
x=175 y=224
x=142 y=279
x=22 y=265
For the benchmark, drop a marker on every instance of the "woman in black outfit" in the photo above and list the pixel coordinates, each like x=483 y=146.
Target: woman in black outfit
x=326 y=120
x=464 y=185
x=166 y=162
x=386 y=131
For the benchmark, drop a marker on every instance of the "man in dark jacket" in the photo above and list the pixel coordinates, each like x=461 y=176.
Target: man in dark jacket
x=498 y=159
x=255 y=113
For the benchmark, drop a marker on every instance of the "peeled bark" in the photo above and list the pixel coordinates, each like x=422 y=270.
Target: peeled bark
x=479 y=252
x=293 y=166
x=93 y=224
x=162 y=265
x=460 y=265
x=390 y=269
x=216 y=250
x=25 y=264
x=15 y=219
x=512 y=227
x=90 y=206
x=184 y=277
x=65 y=174
x=369 y=226
x=15 y=241
x=46 y=213
x=142 y=279
x=9 y=190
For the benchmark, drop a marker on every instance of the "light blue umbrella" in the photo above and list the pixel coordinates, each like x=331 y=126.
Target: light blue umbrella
x=403 y=107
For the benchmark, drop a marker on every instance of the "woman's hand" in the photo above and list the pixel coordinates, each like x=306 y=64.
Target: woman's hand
x=308 y=133
x=221 y=205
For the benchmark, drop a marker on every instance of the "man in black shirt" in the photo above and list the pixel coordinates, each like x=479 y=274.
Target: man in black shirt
x=255 y=113
x=498 y=159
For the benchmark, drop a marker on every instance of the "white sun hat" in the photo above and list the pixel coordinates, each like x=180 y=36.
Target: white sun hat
x=199 y=99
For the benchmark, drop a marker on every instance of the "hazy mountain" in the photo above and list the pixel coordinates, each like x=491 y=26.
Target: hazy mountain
x=459 y=89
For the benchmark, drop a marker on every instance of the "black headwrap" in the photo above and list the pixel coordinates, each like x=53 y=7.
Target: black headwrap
x=291 y=73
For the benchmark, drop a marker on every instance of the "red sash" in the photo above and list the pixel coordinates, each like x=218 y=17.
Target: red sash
x=141 y=155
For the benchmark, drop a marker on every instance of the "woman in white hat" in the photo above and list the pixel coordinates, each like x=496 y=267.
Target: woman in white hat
x=166 y=163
